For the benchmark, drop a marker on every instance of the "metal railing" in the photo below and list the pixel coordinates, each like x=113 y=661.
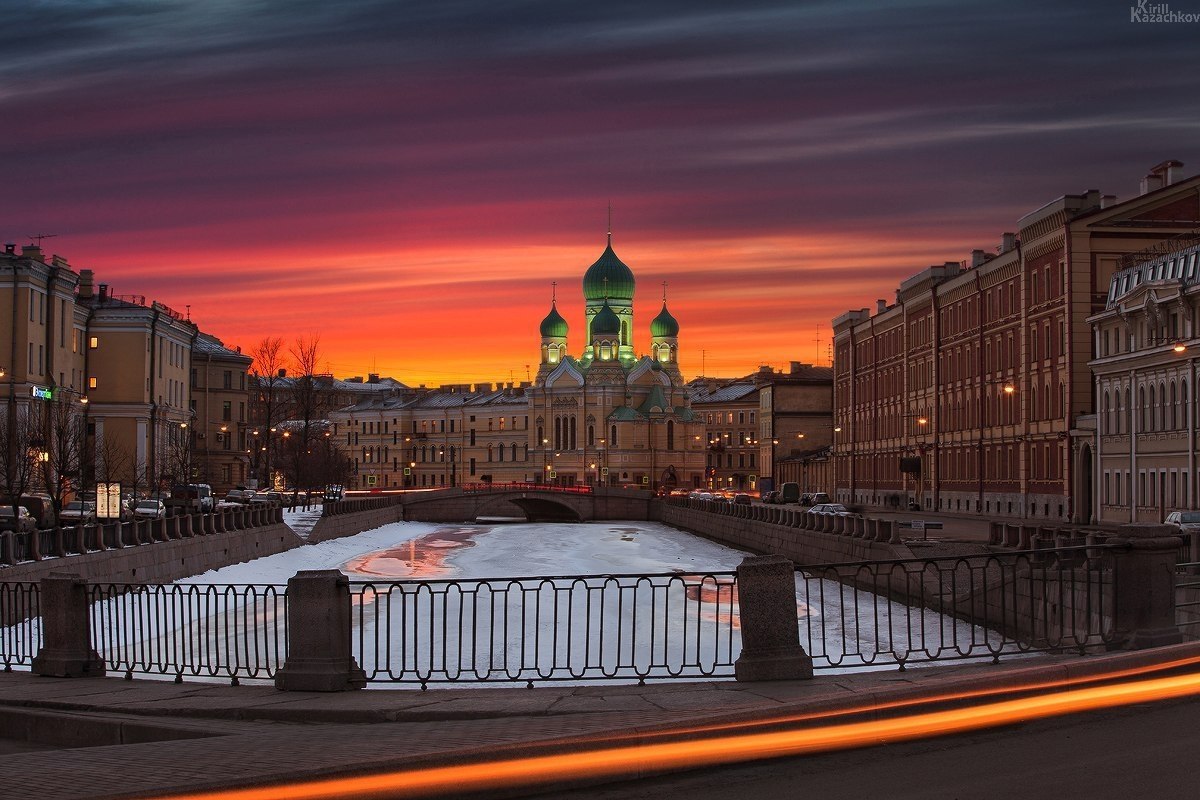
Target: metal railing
x=519 y=486
x=20 y=623
x=964 y=607
x=546 y=629
x=230 y=631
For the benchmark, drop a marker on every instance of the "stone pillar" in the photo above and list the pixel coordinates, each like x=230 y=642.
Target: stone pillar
x=66 y=630
x=995 y=534
x=771 y=648
x=8 y=550
x=1144 y=587
x=35 y=545
x=219 y=523
x=319 y=657
x=60 y=546
x=893 y=532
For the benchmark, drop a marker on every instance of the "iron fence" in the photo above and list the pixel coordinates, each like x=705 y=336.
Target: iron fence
x=547 y=628
x=961 y=607
x=230 y=631
x=20 y=623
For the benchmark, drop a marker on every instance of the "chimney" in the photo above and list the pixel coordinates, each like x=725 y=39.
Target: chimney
x=10 y=248
x=1008 y=241
x=880 y=306
x=1161 y=175
x=372 y=377
x=86 y=287
x=103 y=292
x=31 y=251
x=1108 y=201
x=794 y=367
x=978 y=257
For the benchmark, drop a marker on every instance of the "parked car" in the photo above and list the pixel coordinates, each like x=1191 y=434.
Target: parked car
x=267 y=498
x=1186 y=521
x=820 y=497
x=78 y=511
x=771 y=497
x=742 y=499
x=39 y=506
x=149 y=509
x=190 y=498
x=236 y=496
x=789 y=493
x=22 y=522
x=830 y=508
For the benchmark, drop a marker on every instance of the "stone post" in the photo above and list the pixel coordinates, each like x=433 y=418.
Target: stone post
x=8 y=550
x=771 y=650
x=319 y=658
x=66 y=629
x=1144 y=587
x=35 y=545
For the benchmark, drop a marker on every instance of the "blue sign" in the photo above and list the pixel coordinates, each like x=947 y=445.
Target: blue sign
x=42 y=394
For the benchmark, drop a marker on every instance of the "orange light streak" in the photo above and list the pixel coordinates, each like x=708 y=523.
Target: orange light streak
x=638 y=759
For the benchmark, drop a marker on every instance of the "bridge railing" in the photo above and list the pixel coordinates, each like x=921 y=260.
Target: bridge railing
x=545 y=629
x=525 y=487
x=227 y=631
x=20 y=626
x=938 y=609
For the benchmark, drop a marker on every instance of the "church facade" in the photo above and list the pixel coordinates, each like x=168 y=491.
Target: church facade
x=603 y=415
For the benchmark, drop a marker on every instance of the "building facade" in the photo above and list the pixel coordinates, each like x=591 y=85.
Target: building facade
x=220 y=428
x=964 y=394
x=1147 y=343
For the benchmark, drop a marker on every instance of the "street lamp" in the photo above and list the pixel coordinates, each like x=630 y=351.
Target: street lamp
x=545 y=469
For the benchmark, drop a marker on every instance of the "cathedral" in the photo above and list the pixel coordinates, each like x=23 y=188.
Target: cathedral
x=608 y=415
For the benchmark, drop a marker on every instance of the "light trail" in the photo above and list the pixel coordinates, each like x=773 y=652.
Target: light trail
x=715 y=751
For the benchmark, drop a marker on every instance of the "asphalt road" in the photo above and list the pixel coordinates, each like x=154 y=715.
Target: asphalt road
x=1143 y=751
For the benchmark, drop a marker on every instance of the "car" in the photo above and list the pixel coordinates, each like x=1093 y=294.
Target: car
x=78 y=511
x=820 y=497
x=771 y=497
x=830 y=508
x=237 y=496
x=267 y=498
x=1186 y=521
x=21 y=522
x=225 y=505
x=742 y=499
x=679 y=493
x=706 y=496
x=789 y=493
x=149 y=509
x=806 y=500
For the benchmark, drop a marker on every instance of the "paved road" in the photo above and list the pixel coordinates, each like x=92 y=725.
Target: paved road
x=1139 y=751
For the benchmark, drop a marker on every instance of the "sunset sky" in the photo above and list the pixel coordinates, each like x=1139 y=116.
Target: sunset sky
x=405 y=179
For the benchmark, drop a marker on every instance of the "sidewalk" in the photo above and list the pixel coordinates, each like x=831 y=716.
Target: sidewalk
x=225 y=737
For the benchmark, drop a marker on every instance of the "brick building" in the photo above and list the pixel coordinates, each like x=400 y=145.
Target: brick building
x=964 y=394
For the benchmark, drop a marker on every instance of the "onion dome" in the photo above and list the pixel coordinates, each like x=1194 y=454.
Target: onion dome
x=554 y=326
x=605 y=323
x=608 y=278
x=664 y=324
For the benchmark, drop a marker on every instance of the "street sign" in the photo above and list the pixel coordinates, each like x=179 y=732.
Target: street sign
x=604 y=470
x=407 y=471
x=553 y=474
x=918 y=524
x=645 y=479
x=371 y=479
x=108 y=501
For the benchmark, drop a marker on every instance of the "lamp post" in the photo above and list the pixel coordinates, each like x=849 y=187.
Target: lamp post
x=545 y=468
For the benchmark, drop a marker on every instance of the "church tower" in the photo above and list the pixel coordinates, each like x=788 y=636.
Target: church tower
x=609 y=282
x=664 y=339
x=554 y=340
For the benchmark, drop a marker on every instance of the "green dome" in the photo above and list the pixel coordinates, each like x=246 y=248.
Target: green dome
x=620 y=278
x=605 y=323
x=664 y=324
x=554 y=325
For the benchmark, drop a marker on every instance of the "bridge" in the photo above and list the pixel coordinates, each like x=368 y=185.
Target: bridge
x=535 y=502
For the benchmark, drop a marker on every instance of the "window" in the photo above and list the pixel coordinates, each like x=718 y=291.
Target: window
x=92 y=383
x=227 y=410
x=227 y=380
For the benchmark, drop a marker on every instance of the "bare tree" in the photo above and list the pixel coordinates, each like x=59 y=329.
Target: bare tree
x=64 y=432
x=267 y=401
x=116 y=463
x=20 y=442
x=310 y=400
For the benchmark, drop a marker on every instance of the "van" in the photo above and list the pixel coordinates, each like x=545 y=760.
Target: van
x=789 y=493
x=191 y=497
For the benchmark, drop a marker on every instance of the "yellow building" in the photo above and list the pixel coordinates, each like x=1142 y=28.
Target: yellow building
x=221 y=435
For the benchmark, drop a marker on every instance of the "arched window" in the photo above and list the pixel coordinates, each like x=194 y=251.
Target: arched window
x=591 y=435
x=612 y=439
x=558 y=434
x=541 y=434
x=453 y=454
x=514 y=452
x=1127 y=409
x=670 y=434
x=1162 y=407
x=1184 y=412
x=1174 y=408
x=500 y=454
x=574 y=427
x=1145 y=426
x=1107 y=414
x=489 y=455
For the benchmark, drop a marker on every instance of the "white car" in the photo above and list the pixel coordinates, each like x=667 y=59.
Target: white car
x=1186 y=521
x=830 y=508
x=149 y=509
